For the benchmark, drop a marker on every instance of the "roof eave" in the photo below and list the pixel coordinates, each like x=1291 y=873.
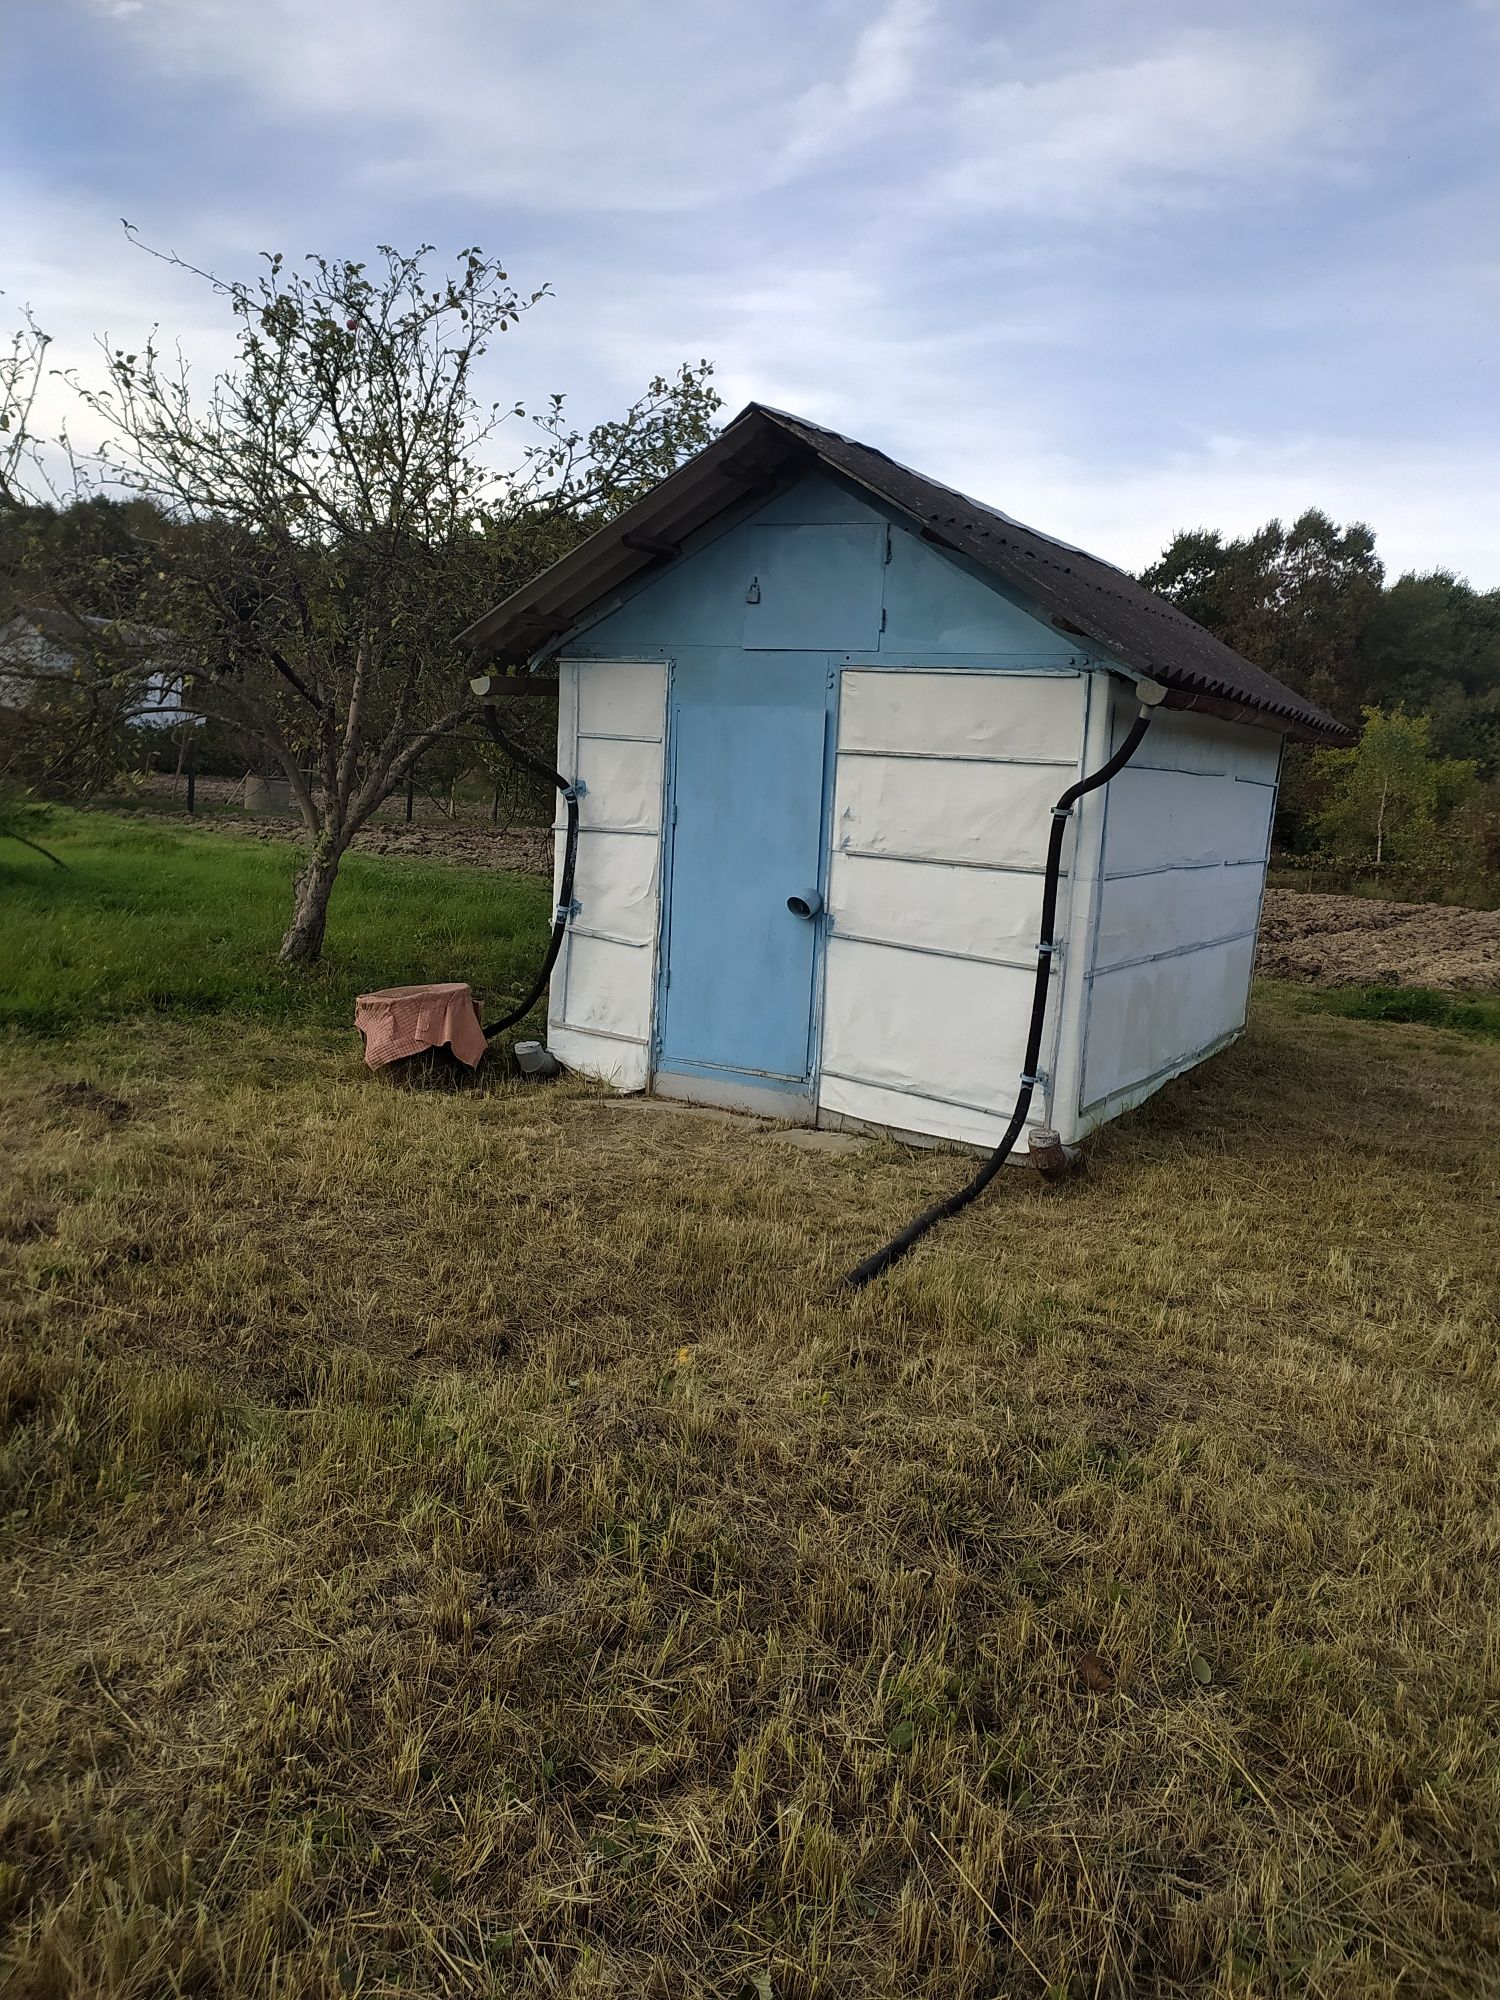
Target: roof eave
x=748 y=454
x=1329 y=733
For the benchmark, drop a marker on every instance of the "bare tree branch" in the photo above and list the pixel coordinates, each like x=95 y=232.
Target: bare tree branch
x=332 y=516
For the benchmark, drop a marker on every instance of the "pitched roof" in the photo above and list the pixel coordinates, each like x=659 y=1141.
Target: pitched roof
x=1080 y=593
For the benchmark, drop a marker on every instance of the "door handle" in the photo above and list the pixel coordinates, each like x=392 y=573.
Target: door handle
x=806 y=903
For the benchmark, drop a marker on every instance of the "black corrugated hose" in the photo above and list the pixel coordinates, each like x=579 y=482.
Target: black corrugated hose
x=892 y=1252
x=519 y=754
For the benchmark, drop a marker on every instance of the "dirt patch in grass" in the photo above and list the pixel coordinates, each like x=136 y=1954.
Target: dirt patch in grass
x=1355 y=941
x=468 y=1544
x=78 y=1098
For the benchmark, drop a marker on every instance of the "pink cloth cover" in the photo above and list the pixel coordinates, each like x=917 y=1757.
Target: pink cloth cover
x=404 y=1020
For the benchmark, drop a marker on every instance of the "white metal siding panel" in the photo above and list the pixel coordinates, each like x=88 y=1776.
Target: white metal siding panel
x=617 y=886
x=611 y=728
x=1149 y=1022
x=961 y=715
x=902 y=1111
x=944 y=1027
x=1202 y=743
x=609 y=987
x=1076 y=929
x=623 y=780
x=978 y=815
x=1176 y=819
x=1186 y=838
x=618 y=697
x=941 y=817
x=976 y=912
x=1141 y=915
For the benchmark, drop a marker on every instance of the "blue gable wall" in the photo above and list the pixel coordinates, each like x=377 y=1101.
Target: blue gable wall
x=936 y=609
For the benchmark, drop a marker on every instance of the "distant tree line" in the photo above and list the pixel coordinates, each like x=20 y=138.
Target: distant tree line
x=1413 y=665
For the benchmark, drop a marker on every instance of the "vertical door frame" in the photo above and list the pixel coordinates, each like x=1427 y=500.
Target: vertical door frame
x=832 y=704
x=662 y=974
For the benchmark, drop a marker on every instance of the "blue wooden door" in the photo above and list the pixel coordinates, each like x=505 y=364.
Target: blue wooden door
x=748 y=761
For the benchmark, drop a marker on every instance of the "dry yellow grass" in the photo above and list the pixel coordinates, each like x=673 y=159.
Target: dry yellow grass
x=467 y=1545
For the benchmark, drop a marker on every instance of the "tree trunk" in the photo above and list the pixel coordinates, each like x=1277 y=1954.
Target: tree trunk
x=303 y=943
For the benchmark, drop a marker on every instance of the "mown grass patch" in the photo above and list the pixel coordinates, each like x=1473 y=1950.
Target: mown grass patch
x=469 y=1544
x=149 y=920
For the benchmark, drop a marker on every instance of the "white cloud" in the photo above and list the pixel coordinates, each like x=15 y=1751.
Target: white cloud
x=1180 y=126
x=666 y=109
x=884 y=58
x=625 y=107
x=883 y=68
x=70 y=260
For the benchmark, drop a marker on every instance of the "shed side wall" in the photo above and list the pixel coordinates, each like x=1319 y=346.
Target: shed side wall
x=1186 y=840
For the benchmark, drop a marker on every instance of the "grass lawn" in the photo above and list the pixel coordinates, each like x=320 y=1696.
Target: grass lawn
x=468 y=1545
x=1471 y=1013
x=147 y=920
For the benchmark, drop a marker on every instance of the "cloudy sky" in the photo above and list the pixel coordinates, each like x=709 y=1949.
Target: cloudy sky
x=1118 y=269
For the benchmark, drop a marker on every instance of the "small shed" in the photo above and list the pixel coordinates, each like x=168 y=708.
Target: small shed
x=821 y=708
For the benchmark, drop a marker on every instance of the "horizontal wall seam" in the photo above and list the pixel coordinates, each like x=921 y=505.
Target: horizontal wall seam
x=1175 y=951
x=1177 y=770
x=925 y=1096
x=635 y=832
x=961 y=757
x=599 y=1034
x=946 y=861
x=1176 y=867
x=1026 y=964
x=609 y=937
x=1180 y=771
x=704 y=1069
x=1063 y=671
